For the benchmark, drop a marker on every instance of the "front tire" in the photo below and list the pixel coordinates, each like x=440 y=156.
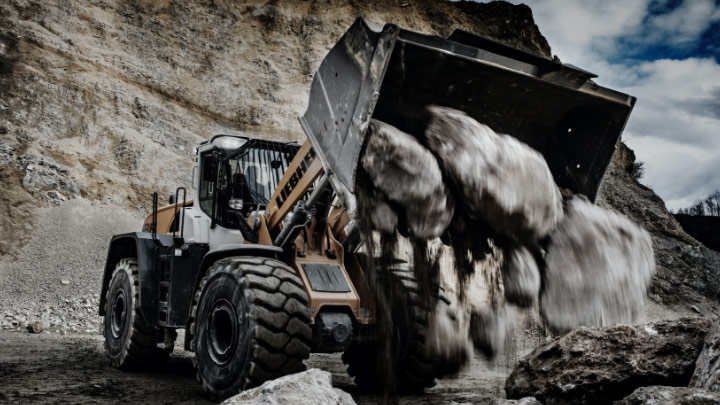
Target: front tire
x=129 y=341
x=250 y=325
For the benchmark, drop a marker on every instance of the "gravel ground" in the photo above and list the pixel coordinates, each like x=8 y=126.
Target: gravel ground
x=56 y=279
x=49 y=368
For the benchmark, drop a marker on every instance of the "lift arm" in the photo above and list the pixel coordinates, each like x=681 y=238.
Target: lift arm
x=302 y=172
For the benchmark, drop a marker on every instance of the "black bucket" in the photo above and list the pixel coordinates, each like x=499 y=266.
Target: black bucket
x=393 y=74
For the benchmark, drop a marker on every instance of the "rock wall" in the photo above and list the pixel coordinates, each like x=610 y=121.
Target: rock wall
x=105 y=99
x=686 y=273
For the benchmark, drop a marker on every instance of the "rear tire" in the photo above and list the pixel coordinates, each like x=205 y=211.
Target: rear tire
x=250 y=324
x=412 y=369
x=129 y=341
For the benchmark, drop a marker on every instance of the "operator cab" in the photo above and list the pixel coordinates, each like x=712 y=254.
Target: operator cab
x=238 y=176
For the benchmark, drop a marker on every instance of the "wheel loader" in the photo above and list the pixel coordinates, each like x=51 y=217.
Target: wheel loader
x=262 y=266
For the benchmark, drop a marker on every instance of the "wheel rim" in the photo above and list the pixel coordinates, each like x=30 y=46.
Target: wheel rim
x=222 y=331
x=119 y=314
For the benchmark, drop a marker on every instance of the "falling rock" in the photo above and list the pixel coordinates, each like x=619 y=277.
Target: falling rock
x=408 y=175
x=707 y=367
x=499 y=179
x=599 y=266
x=660 y=395
x=311 y=387
x=447 y=338
x=382 y=216
x=492 y=329
x=521 y=277
x=601 y=365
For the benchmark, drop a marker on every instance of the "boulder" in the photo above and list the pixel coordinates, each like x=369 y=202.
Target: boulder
x=500 y=401
x=707 y=367
x=35 y=327
x=311 y=387
x=658 y=395
x=600 y=365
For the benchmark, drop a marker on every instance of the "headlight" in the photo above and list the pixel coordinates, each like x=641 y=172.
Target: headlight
x=228 y=142
x=236 y=204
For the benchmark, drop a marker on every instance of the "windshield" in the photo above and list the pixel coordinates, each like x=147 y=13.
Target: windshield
x=231 y=187
x=253 y=175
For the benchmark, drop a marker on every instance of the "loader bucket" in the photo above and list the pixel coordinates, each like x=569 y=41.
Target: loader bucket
x=391 y=74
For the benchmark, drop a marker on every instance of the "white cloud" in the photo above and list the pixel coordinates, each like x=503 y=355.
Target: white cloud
x=675 y=126
x=675 y=102
x=684 y=24
x=574 y=28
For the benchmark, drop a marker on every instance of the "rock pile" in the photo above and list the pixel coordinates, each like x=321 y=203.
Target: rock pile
x=75 y=315
x=56 y=281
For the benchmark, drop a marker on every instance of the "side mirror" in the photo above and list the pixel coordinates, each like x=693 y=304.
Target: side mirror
x=171 y=199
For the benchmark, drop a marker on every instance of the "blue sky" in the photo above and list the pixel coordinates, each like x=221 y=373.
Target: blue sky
x=667 y=54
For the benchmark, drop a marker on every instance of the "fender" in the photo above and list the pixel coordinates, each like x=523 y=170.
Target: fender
x=236 y=249
x=141 y=246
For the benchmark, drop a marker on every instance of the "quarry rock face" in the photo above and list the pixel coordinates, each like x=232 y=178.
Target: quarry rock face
x=707 y=368
x=115 y=96
x=600 y=365
x=311 y=387
x=657 y=395
x=686 y=271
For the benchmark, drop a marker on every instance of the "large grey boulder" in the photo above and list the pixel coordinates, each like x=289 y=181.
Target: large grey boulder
x=707 y=367
x=600 y=365
x=658 y=395
x=311 y=387
x=500 y=401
